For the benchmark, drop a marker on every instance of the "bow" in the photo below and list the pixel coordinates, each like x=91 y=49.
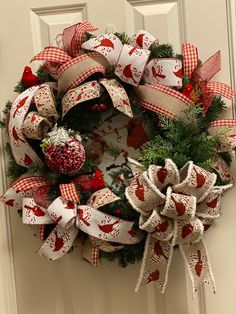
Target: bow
x=34 y=124
x=69 y=216
x=130 y=63
x=176 y=207
x=201 y=75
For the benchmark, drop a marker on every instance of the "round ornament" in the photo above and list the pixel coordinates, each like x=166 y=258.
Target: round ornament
x=63 y=151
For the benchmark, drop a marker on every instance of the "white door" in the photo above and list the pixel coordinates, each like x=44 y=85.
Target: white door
x=31 y=285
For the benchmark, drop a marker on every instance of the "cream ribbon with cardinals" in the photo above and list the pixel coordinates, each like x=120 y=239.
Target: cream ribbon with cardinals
x=176 y=207
x=70 y=217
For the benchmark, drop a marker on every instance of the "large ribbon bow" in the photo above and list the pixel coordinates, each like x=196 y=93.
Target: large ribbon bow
x=131 y=65
x=130 y=61
x=176 y=207
x=69 y=216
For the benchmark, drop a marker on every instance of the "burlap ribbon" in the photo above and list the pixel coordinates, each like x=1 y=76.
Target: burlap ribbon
x=70 y=217
x=175 y=207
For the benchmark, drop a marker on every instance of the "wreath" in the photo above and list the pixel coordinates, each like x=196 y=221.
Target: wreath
x=117 y=144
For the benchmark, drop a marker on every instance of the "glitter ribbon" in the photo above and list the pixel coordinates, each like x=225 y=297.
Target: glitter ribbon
x=176 y=207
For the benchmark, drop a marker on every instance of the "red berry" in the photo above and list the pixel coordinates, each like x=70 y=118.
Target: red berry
x=118 y=211
x=102 y=107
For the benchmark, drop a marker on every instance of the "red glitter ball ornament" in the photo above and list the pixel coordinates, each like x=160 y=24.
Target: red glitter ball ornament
x=63 y=152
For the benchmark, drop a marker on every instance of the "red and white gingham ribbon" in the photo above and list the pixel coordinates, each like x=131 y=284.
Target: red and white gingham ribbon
x=29 y=183
x=73 y=36
x=190 y=60
x=53 y=54
x=68 y=192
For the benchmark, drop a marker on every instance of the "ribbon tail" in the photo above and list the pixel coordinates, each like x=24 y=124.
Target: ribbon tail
x=118 y=96
x=58 y=243
x=208 y=69
x=156 y=262
x=222 y=169
x=93 y=246
x=198 y=265
x=221 y=89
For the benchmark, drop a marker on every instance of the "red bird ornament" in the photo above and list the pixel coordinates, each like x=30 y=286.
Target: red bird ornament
x=28 y=78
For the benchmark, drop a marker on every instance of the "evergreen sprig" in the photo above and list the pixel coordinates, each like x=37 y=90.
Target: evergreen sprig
x=182 y=139
x=161 y=51
x=124 y=38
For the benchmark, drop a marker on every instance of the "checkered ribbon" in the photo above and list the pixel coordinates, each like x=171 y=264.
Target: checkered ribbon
x=190 y=60
x=73 y=37
x=95 y=256
x=65 y=64
x=29 y=183
x=52 y=54
x=175 y=207
x=41 y=232
x=69 y=193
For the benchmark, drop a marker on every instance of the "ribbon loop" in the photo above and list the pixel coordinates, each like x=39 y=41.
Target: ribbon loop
x=179 y=206
x=73 y=36
x=167 y=72
x=45 y=102
x=195 y=181
x=35 y=126
x=52 y=54
x=143 y=198
x=62 y=212
x=34 y=214
x=189 y=231
x=143 y=39
x=226 y=129
x=75 y=96
x=158 y=226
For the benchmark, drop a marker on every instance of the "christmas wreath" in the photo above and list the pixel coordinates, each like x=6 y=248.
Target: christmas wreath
x=117 y=143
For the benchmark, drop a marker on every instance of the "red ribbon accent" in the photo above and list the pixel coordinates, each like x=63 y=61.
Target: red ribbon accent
x=201 y=75
x=42 y=187
x=72 y=39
